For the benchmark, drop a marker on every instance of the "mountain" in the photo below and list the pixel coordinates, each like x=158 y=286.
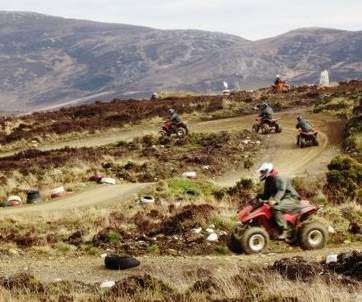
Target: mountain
x=50 y=61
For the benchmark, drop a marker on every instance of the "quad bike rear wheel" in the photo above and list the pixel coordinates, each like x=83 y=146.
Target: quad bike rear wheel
x=254 y=240
x=302 y=142
x=278 y=128
x=315 y=141
x=265 y=129
x=313 y=235
x=163 y=133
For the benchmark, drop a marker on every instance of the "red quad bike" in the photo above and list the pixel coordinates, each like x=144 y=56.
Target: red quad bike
x=305 y=139
x=256 y=227
x=181 y=130
x=266 y=126
x=281 y=87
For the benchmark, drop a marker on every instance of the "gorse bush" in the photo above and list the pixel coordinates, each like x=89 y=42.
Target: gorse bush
x=344 y=180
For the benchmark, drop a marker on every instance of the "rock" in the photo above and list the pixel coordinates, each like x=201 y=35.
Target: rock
x=13 y=252
x=212 y=226
x=193 y=237
x=213 y=237
x=108 y=181
x=206 y=167
x=190 y=174
x=331 y=230
x=197 y=231
x=172 y=252
x=210 y=231
x=245 y=141
x=104 y=255
x=108 y=284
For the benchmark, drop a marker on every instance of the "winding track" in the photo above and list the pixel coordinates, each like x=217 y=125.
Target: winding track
x=280 y=149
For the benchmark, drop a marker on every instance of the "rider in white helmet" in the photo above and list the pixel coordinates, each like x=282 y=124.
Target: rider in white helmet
x=280 y=194
x=277 y=80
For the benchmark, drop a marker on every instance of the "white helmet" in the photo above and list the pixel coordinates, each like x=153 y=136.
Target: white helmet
x=265 y=170
x=278 y=76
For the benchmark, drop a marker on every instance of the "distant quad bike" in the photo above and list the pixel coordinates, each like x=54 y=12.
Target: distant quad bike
x=256 y=227
x=181 y=130
x=266 y=126
x=306 y=139
x=281 y=87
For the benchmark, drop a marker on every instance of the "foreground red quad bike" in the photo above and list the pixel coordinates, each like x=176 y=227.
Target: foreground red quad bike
x=266 y=126
x=305 y=139
x=281 y=87
x=256 y=227
x=180 y=130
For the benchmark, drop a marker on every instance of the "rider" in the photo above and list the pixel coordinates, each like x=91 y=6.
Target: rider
x=303 y=124
x=277 y=80
x=174 y=118
x=266 y=112
x=280 y=194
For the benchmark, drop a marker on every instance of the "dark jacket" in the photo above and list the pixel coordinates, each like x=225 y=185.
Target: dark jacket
x=277 y=81
x=175 y=119
x=278 y=188
x=266 y=113
x=304 y=125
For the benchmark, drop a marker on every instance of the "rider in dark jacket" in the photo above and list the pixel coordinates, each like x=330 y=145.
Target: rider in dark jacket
x=266 y=112
x=303 y=124
x=280 y=194
x=174 y=117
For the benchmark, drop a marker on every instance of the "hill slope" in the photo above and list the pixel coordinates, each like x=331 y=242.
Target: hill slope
x=47 y=61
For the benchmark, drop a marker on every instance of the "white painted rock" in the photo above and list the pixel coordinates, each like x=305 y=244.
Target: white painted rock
x=14 y=198
x=331 y=258
x=331 y=230
x=190 y=174
x=108 y=181
x=197 y=231
x=213 y=237
x=108 y=284
x=210 y=230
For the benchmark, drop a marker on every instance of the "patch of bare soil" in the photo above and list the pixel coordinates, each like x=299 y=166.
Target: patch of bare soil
x=348 y=266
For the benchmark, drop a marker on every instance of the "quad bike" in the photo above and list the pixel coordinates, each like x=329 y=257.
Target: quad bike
x=180 y=130
x=305 y=139
x=266 y=126
x=281 y=87
x=256 y=227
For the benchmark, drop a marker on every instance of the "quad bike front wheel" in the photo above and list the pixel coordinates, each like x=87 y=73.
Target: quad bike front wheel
x=255 y=128
x=265 y=129
x=313 y=236
x=181 y=132
x=254 y=240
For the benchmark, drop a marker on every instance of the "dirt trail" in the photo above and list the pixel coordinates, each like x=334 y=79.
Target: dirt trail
x=171 y=269
x=280 y=149
x=93 y=196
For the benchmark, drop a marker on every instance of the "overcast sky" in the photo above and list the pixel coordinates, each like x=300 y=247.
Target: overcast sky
x=251 y=19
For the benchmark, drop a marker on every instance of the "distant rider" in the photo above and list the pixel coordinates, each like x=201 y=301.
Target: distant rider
x=277 y=80
x=280 y=195
x=303 y=124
